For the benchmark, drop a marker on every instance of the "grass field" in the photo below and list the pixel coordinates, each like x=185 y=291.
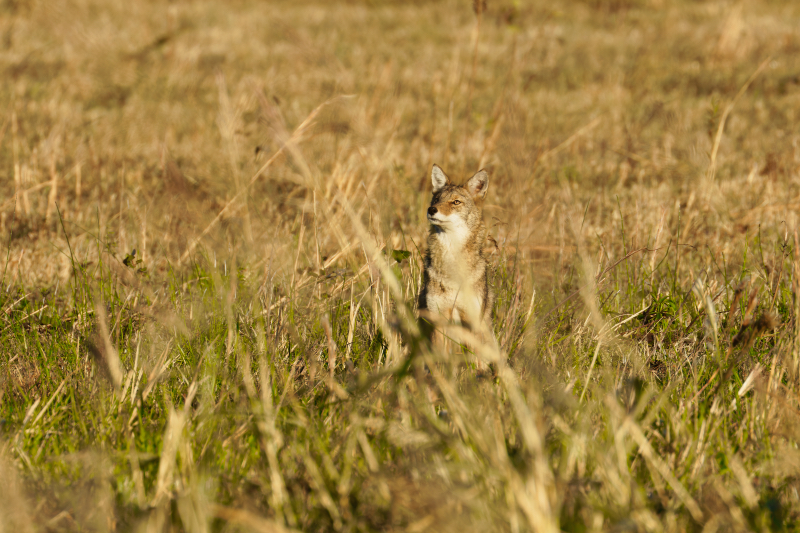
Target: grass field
x=212 y=222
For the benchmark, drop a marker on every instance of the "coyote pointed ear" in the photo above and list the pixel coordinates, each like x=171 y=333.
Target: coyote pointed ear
x=438 y=178
x=478 y=184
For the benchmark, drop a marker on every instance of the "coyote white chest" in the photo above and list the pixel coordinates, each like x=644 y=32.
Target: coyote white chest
x=455 y=283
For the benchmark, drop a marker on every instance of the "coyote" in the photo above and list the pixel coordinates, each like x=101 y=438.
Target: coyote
x=455 y=284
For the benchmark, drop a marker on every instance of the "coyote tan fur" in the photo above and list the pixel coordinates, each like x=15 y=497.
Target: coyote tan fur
x=455 y=283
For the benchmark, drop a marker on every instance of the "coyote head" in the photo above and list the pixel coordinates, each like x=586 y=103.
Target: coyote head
x=457 y=209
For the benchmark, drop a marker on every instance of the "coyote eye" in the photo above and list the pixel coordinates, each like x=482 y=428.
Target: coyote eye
x=456 y=202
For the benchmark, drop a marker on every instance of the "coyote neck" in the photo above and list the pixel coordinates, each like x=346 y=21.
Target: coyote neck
x=456 y=241
x=455 y=256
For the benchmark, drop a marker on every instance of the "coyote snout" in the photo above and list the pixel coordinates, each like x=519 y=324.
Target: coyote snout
x=455 y=284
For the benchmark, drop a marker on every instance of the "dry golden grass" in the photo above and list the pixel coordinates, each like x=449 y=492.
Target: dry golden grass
x=148 y=117
x=254 y=365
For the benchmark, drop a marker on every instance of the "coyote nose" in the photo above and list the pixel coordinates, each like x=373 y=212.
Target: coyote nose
x=432 y=211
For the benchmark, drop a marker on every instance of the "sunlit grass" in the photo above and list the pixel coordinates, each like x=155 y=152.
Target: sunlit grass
x=213 y=222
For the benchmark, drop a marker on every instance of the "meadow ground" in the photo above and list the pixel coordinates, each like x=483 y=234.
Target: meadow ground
x=254 y=364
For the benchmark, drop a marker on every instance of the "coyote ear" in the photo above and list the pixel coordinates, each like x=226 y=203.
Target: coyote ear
x=438 y=178
x=478 y=184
